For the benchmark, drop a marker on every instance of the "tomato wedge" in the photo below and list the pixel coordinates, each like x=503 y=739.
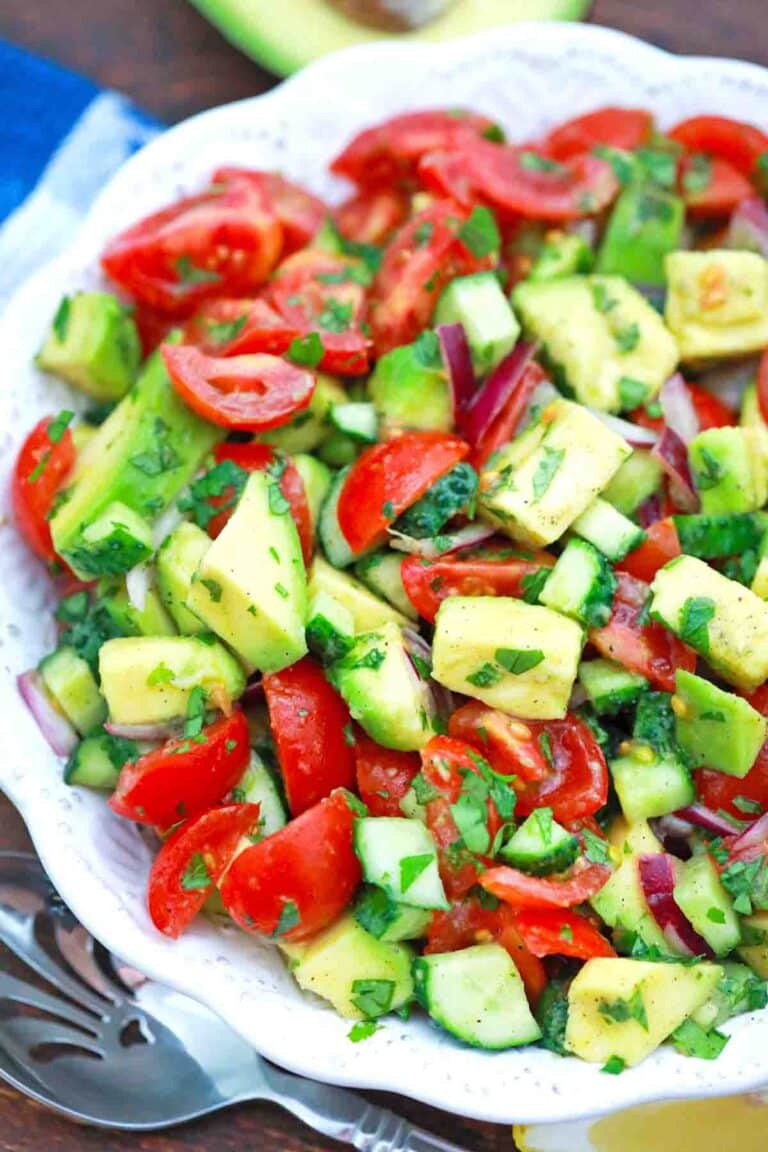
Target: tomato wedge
x=576 y=784
x=661 y=545
x=389 y=152
x=644 y=647
x=384 y=775
x=740 y=144
x=234 y=327
x=254 y=457
x=300 y=212
x=388 y=478
x=501 y=571
x=521 y=182
x=191 y=863
x=44 y=461
x=252 y=393
x=509 y=744
x=557 y=932
x=422 y=257
x=522 y=891
x=504 y=426
x=311 y=727
x=184 y=776
x=625 y=128
x=225 y=241
x=762 y=385
x=153 y=327
x=711 y=187
x=297 y=881
x=372 y=216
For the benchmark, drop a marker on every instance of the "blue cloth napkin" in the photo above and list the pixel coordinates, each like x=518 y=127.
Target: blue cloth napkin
x=61 y=138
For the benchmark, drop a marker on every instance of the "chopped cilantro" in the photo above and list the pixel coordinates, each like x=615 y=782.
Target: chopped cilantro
x=693 y=1040
x=225 y=479
x=282 y=591
x=546 y=470
x=480 y=233
x=532 y=584
x=627 y=339
x=349 y=735
x=614 y=1065
x=213 y=586
x=189 y=273
x=620 y=1010
x=288 y=919
x=58 y=426
x=278 y=504
x=716 y=915
x=632 y=393
x=196 y=875
x=534 y=162
x=224 y=331
x=596 y=849
x=373 y=997
x=544 y=820
x=160 y=674
x=698 y=173
x=306 y=350
x=711 y=474
x=229 y=746
x=602 y=301
x=40 y=467
x=61 y=318
x=485 y=676
x=372 y=659
x=336 y=316
x=195 y=718
x=411 y=867
x=426 y=350
x=519 y=660
x=423 y=233
x=697 y=611
x=363 y=1030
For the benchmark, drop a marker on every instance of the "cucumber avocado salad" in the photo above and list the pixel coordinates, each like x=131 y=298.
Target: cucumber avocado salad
x=413 y=572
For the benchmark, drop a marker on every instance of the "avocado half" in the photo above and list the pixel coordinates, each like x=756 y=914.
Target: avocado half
x=287 y=34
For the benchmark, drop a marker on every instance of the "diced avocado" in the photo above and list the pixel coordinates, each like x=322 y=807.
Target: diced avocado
x=98 y=760
x=752 y=418
x=151 y=620
x=602 y=335
x=387 y=919
x=739 y=991
x=316 y=478
x=759 y=583
x=581 y=585
x=716 y=729
x=627 y=1008
x=478 y=303
x=637 y=478
x=621 y=902
x=356 y=973
x=717 y=303
x=368 y=611
x=250 y=587
x=608 y=530
x=381 y=572
x=540 y=845
x=383 y=691
x=477 y=995
x=177 y=561
x=452 y=494
x=400 y=856
x=722 y=620
x=410 y=388
x=754 y=949
x=562 y=254
x=710 y=537
x=93 y=344
x=701 y=897
x=515 y=656
x=645 y=226
x=330 y=627
x=308 y=428
x=609 y=686
x=534 y=488
x=69 y=680
x=113 y=543
x=648 y=785
x=729 y=474
x=141 y=456
x=148 y=680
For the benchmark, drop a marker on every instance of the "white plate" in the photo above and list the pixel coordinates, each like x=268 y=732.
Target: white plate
x=527 y=77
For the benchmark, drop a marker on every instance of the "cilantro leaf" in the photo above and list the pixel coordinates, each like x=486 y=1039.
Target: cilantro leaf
x=373 y=997
x=306 y=350
x=546 y=470
x=288 y=919
x=196 y=876
x=411 y=867
x=480 y=233
x=519 y=660
x=697 y=611
x=58 y=426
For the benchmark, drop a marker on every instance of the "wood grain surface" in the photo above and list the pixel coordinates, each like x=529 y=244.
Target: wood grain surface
x=163 y=55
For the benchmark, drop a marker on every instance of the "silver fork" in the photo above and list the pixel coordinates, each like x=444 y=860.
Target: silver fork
x=106 y=1047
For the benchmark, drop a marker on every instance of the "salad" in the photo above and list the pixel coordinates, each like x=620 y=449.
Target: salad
x=413 y=573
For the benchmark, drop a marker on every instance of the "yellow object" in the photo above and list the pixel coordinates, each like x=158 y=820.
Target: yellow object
x=717 y=303
x=368 y=611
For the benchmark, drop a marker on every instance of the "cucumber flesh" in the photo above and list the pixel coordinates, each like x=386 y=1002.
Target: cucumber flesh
x=608 y=530
x=540 y=845
x=400 y=856
x=356 y=420
x=259 y=786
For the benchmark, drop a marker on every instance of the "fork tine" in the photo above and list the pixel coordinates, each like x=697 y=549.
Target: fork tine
x=17 y=933
x=31 y=1032
x=76 y=946
x=19 y=992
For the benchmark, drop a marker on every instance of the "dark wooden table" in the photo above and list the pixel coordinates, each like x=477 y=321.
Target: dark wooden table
x=169 y=60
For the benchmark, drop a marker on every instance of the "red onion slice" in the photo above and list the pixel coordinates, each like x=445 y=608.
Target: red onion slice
x=752 y=839
x=458 y=361
x=444 y=544
x=56 y=729
x=254 y=691
x=678 y=409
x=165 y=731
x=672 y=454
x=704 y=817
x=657 y=877
x=634 y=434
x=650 y=511
x=494 y=394
x=749 y=226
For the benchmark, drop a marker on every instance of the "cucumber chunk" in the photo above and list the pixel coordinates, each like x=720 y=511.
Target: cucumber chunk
x=609 y=686
x=479 y=304
x=651 y=789
x=716 y=729
x=541 y=845
x=400 y=856
x=258 y=786
x=69 y=680
x=581 y=585
x=608 y=530
x=97 y=761
x=334 y=544
x=356 y=420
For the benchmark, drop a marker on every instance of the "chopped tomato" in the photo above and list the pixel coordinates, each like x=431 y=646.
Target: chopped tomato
x=422 y=257
x=384 y=775
x=661 y=545
x=521 y=182
x=44 y=461
x=233 y=327
x=740 y=144
x=153 y=326
x=557 y=932
x=509 y=743
x=184 y=776
x=388 y=478
x=625 y=128
x=372 y=216
x=488 y=571
x=642 y=646
x=762 y=386
x=255 y=457
x=252 y=393
x=299 y=211
x=311 y=727
x=712 y=187
x=389 y=152
x=224 y=241
x=576 y=784
x=719 y=791
x=191 y=863
x=523 y=891
x=710 y=410
x=504 y=426
x=316 y=292
x=296 y=882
